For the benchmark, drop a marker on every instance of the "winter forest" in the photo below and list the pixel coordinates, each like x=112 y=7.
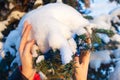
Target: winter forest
x=59 y=27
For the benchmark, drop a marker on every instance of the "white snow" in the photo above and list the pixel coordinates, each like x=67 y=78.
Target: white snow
x=11 y=5
x=11 y=40
x=115 y=11
x=116 y=53
x=102 y=7
x=104 y=37
x=102 y=21
x=40 y=58
x=59 y=1
x=116 y=37
x=2 y=53
x=52 y=25
x=2 y=27
x=37 y=2
x=99 y=57
x=43 y=76
x=73 y=45
x=1 y=45
x=34 y=50
x=116 y=74
x=14 y=15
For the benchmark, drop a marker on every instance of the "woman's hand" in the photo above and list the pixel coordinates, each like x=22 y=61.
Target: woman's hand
x=25 y=53
x=81 y=69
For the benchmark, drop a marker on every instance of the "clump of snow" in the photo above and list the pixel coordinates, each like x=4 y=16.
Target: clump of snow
x=2 y=53
x=34 y=50
x=102 y=21
x=59 y=1
x=11 y=40
x=115 y=11
x=116 y=53
x=40 y=58
x=37 y=2
x=111 y=68
x=99 y=57
x=11 y=5
x=43 y=76
x=52 y=26
x=116 y=37
x=73 y=45
x=2 y=27
x=105 y=38
x=14 y=15
x=116 y=74
x=115 y=19
x=1 y=45
x=99 y=7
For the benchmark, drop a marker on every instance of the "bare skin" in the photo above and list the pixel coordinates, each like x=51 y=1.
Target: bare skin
x=87 y=3
x=81 y=69
x=25 y=53
x=26 y=57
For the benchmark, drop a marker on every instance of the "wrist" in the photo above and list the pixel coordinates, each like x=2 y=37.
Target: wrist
x=29 y=74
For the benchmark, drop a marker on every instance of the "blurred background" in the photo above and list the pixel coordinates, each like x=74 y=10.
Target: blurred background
x=105 y=55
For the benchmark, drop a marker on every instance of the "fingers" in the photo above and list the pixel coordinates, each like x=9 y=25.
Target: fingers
x=28 y=47
x=85 y=59
x=24 y=37
x=86 y=54
x=88 y=40
x=25 y=25
x=76 y=60
x=87 y=34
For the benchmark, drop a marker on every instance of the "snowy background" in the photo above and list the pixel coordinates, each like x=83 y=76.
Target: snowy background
x=99 y=7
x=105 y=58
